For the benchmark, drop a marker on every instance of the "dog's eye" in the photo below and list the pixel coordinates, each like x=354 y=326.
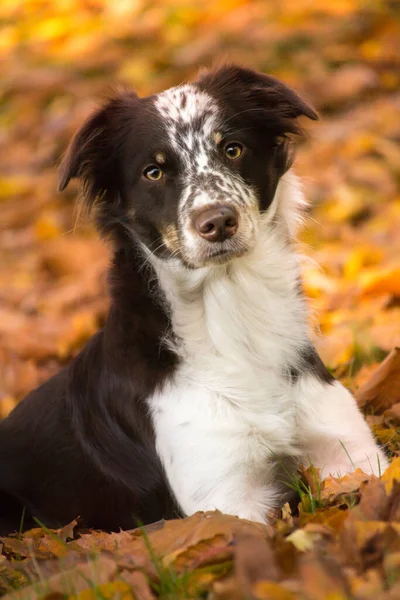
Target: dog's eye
x=233 y=150
x=153 y=173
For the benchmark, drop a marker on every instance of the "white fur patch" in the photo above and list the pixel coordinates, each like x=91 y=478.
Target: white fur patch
x=332 y=430
x=188 y=106
x=230 y=411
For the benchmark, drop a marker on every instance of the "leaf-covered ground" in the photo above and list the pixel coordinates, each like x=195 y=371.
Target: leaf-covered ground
x=58 y=58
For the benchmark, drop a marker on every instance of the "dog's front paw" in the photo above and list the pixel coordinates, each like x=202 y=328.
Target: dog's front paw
x=372 y=465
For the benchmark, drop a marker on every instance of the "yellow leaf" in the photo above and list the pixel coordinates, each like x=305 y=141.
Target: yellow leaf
x=363 y=256
x=14 y=186
x=269 y=590
x=365 y=530
x=301 y=539
x=391 y=474
x=115 y=589
x=381 y=281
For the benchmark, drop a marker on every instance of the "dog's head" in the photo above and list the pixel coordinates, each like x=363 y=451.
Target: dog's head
x=189 y=171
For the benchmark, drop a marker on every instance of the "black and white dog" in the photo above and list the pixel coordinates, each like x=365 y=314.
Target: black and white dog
x=203 y=381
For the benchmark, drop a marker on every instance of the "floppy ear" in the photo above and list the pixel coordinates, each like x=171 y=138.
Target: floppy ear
x=280 y=104
x=93 y=154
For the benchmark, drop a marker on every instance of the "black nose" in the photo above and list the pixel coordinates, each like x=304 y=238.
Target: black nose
x=217 y=224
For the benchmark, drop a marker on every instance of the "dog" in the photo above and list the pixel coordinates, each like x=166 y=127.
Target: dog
x=203 y=388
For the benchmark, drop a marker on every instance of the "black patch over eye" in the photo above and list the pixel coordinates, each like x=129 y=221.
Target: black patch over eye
x=233 y=150
x=153 y=173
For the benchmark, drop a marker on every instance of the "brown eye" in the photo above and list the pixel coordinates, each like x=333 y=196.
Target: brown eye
x=233 y=150
x=153 y=173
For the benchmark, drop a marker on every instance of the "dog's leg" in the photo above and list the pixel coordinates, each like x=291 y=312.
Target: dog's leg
x=332 y=431
x=223 y=473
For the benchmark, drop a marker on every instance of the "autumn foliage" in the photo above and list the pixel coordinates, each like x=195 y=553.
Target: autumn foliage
x=61 y=57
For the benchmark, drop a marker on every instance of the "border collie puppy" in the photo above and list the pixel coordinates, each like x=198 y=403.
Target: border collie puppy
x=203 y=385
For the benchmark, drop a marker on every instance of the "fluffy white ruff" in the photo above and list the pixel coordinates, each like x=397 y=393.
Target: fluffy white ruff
x=231 y=414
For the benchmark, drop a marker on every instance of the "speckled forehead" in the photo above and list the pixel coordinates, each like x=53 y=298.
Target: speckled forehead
x=190 y=117
x=185 y=104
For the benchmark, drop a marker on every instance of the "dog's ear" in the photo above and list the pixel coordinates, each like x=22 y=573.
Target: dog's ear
x=271 y=95
x=93 y=154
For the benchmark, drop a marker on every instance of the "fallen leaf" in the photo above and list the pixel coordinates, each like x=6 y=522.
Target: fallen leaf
x=383 y=389
x=366 y=585
x=374 y=502
x=254 y=561
x=332 y=487
x=85 y=575
x=205 y=552
x=391 y=566
x=331 y=517
x=391 y=474
x=393 y=413
x=270 y=590
x=318 y=575
x=138 y=584
x=108 y=591
x=301 y=539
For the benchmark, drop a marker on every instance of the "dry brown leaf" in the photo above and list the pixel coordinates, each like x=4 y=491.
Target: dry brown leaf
x=393 y=413
x=104 y=541
x=319 y=575
x=333 y=487
x=383 y=389
x=205 y=552
x=254 y=562
x=40 y=543
x=367 y=585
x=177 y=536
x=92 y=572
x=374 y=502
x=37 y=544
x=331 y=517
x=138 y=584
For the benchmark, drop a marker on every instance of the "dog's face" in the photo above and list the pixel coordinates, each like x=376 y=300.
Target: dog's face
x=189 y=171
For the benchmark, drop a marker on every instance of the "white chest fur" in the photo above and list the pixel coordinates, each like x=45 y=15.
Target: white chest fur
x=229 y=409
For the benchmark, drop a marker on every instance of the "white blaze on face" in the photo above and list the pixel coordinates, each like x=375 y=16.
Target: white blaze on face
x=191 y=118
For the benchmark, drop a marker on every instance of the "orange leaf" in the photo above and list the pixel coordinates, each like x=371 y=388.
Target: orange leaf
x=335 y=486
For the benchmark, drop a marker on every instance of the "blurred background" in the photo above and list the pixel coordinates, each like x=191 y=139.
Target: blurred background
x=59 y=58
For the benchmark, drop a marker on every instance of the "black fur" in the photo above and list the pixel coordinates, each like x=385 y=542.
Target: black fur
x=82 y=444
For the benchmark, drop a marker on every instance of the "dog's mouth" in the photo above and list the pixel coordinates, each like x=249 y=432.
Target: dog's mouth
x=224 y=255
x=210 y=255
